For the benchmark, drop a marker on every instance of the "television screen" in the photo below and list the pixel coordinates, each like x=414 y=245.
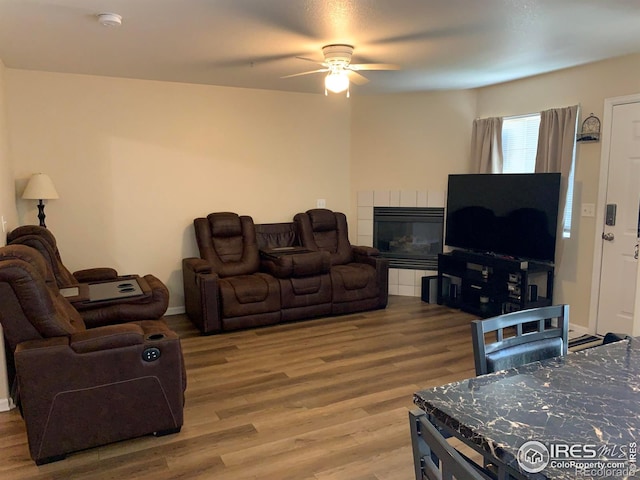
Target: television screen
x=507 y=214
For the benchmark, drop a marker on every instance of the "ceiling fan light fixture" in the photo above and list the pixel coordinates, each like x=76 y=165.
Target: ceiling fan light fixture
x=337 y=82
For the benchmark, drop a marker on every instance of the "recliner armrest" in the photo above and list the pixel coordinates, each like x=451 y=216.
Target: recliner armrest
x=95 y=274
x=201 y=295
x=197 y=265
x=365 y=251
x=105 y=338
x=369 y=255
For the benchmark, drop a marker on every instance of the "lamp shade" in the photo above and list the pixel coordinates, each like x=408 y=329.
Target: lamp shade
x=40 y=187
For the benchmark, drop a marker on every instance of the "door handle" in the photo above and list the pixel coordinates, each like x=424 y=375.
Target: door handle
x=608 y=237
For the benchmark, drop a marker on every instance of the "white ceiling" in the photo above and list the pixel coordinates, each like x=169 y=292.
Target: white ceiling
x=439 y=44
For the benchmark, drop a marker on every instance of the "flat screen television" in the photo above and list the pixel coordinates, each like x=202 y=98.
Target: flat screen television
x=514 y=215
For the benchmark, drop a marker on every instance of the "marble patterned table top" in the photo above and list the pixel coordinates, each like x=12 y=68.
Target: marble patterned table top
x=591 y=397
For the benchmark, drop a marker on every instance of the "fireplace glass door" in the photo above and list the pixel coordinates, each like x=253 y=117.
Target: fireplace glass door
x=409 y=237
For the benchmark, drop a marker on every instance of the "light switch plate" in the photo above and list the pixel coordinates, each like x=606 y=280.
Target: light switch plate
x=321 y=203
x=588 y=210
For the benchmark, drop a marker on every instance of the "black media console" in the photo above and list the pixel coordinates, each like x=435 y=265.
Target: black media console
x=488 y=285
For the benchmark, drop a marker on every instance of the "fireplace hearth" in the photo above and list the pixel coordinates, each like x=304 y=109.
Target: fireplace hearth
x=410 y=237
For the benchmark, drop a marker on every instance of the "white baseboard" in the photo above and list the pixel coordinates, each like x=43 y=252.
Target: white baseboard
x=578 y=330
x=6 y=404
x=175 y=311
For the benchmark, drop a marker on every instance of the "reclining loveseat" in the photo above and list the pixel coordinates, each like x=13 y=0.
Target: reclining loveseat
x=252 y=275
x=79 y=388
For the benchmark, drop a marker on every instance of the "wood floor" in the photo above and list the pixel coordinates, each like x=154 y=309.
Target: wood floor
x=323 y=399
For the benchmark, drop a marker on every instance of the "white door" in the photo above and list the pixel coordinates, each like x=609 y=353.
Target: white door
x=619 y=266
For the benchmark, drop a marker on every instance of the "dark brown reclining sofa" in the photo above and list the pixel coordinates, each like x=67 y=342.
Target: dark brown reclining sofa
x=253 y=275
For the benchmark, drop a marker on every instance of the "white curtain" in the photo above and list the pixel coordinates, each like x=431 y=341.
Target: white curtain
x=486 y=145
x=556 y=146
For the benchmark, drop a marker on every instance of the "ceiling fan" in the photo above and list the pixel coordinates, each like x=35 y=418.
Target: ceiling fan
x=337 y=63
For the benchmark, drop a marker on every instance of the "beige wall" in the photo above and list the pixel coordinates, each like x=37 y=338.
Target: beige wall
x=7 y=211
x=7 y=189
x=410 y=141
x=135 y=161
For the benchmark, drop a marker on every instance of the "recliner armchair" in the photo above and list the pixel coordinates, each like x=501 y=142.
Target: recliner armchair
x=224 y=289
x=151 y=304
x=359 y=277
x=82 y=388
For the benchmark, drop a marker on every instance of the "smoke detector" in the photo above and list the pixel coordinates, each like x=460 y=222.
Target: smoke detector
x=110 y=19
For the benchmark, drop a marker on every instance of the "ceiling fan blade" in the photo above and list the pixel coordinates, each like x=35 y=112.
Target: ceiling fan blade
x=373 y=66
x=357 y=78
x=307 y=73
x=312 y=61
x=251 y=61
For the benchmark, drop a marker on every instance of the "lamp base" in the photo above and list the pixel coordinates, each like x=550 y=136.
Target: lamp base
x=41 y=215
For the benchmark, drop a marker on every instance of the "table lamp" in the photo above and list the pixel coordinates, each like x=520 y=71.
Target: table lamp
x=40 y=187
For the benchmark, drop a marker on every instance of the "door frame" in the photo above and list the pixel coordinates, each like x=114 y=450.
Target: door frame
x=609 y=104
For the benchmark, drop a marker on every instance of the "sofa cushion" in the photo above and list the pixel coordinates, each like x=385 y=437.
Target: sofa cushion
x=354 y=281
x=274 y=235
x=249 y=294
x=305 y=297
x=225 y=225
x=322 y=220
x=228 y=243
x=354 y=276
x=325 y=230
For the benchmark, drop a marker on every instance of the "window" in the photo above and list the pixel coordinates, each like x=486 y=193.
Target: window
x=520 y=143
x=519 y=148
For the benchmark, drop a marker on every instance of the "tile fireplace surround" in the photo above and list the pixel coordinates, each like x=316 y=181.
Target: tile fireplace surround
x=402 y=281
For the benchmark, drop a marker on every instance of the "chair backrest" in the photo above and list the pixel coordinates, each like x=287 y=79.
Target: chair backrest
x=274 y=235
x=44 y=242
x=531 y=335
x=30 y=307
x=228 y=242
x=325 y=230
x=434 y=458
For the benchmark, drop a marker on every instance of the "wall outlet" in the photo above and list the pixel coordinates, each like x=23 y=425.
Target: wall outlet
x=321 y=203
x=588 y=210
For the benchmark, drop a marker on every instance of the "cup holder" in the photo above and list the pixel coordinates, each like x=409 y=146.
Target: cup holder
x=156 y=336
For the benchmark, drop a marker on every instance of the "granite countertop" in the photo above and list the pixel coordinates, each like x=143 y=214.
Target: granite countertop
x=588 y=397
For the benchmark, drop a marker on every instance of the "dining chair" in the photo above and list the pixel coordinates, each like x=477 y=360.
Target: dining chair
x=520 y=337
x=434 y=458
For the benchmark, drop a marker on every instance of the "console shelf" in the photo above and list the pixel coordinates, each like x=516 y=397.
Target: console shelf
x=488 y=285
